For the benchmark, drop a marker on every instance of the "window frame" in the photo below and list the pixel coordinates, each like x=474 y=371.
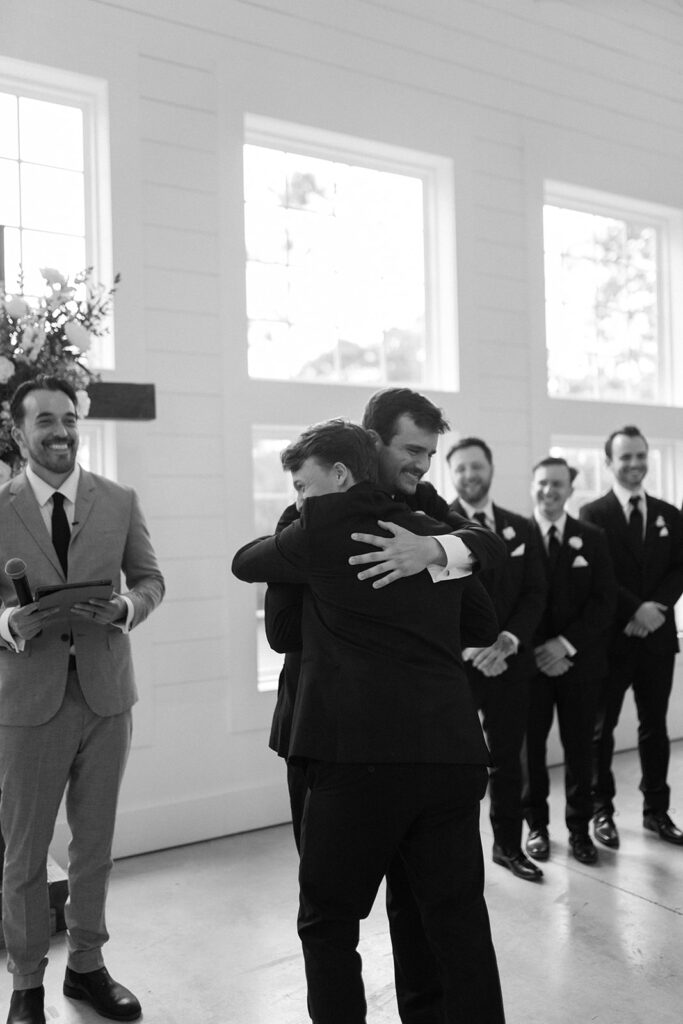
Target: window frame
x=436 y=172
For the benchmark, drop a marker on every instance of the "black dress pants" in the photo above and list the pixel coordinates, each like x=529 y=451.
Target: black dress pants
x=418 y=985
x=357 y=819
x=633 y=662
x=575 y=698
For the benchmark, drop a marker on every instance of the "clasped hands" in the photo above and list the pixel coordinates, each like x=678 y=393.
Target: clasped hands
x=649 y=617
x=552 y=658
x=492 y=661
x=27 y=621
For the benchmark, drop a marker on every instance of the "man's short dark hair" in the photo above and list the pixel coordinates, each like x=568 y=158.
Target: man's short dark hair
x=471 y=442
x=334 y=441
x=555 y=460
x=42 y=382
x=384 y=408
x=629 y=431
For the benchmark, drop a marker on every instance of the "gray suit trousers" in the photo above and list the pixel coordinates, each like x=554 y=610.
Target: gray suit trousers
x=85 y=755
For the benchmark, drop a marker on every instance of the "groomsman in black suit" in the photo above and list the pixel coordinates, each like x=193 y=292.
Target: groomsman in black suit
x=499 y=674
x=645 y=536
x=570 y=650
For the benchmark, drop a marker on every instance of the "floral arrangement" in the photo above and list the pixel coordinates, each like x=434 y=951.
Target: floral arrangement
x=53 y=337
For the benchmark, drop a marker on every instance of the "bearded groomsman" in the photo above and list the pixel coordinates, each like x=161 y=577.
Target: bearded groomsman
x=645 y=537
x=570 y=653
x=499 y=674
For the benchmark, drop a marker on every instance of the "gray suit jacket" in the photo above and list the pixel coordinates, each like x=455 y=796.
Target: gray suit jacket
x=109 y=538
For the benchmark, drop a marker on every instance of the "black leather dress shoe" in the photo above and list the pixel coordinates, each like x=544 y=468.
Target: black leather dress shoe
x=26 y=1006
x=538 y=844
x=581 y=845
x=605 y=831
x=104 y=994
x=517 y=863
x=660 y=822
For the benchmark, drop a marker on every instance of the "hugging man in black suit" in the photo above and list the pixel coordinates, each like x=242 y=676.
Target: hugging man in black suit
x=645 y=537
x=499 y=674
x=385 y=723
x=570 y=647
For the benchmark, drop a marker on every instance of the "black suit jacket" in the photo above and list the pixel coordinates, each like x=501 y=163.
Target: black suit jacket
x=517 y=585
x=654 y=575
x=381 y=677
x=582 y=596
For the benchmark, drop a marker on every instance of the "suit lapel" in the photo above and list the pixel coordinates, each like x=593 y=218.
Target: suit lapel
x=85 y=496
x=24 y=504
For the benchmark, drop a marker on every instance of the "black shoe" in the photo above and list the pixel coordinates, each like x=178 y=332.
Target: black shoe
x=104 y=994
x=605 y=831
x=660 y=822
x=26 y=1006
x=538 y=843
x=517 y=863
x=581 y=845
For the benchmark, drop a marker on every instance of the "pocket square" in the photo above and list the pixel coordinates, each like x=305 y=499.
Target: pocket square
x=518 y=551
x=579 y=563
x=664 y=532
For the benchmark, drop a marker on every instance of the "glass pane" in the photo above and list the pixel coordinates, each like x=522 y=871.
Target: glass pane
x=62 y=252
x=52 y=200
x=268 y=349
x=348 y=280
x=601 y=280
x=12 y=260
x=9 y=193
x=51 y=134
x=9 y=126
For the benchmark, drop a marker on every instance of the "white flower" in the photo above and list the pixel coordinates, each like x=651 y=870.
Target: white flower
x=53 y=277
x=77 y=335
x=32 y=341
x=16 y=307
x=509 y=532
x=82 y=404
x=575 y=542
x=660 y=521
x=7 y=369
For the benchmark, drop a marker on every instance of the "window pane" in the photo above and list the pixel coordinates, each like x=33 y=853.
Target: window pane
x=63 y=252
x=601 y=280
x=335 y=270
x=52 y=200
x=273 y=492
x=9 y=192
x=9 y=126
x=51 y=134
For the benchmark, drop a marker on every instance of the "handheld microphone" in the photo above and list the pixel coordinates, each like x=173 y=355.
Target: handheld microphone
x=16 y=570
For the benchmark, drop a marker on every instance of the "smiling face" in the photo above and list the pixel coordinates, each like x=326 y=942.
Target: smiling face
x=48 y=435
x=551 y=488
x=629 y=460
x=406 y=458
x=471 y=473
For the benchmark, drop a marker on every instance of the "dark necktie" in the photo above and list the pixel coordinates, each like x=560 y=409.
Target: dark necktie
x=553 y=547
x=60 y=530
x=481 y=519
x=635 y=522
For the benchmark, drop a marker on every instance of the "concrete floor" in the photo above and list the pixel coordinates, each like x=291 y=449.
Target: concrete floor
x=205 y=934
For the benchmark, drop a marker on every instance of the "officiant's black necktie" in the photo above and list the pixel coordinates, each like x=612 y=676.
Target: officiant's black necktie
x=635 y=522
x=553 y=547
x=481 y=519
x=60 y=530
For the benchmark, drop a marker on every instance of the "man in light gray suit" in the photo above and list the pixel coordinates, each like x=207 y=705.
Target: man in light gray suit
x=66 y=692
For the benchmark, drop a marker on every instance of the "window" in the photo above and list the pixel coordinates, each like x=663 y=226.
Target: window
x=273 y=492
x=54 y=180
x=608 y=309
x=346 y=243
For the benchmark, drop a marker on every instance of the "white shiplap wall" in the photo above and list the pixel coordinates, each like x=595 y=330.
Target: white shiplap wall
x=514 y=91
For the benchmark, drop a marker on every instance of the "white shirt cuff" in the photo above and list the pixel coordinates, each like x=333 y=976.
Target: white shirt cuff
x=15 y=643
x=459 y=559
x=571 y=650
x=511 y=636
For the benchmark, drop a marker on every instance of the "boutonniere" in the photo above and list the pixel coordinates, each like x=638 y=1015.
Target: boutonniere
x=579 y=562
x=660 y=521
x=575 y=542
x=509 y=532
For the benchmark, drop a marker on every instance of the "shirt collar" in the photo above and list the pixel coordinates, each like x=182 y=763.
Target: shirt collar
x=624 y=496
x=544 y=524
x=487 y=510
x=44 y=491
